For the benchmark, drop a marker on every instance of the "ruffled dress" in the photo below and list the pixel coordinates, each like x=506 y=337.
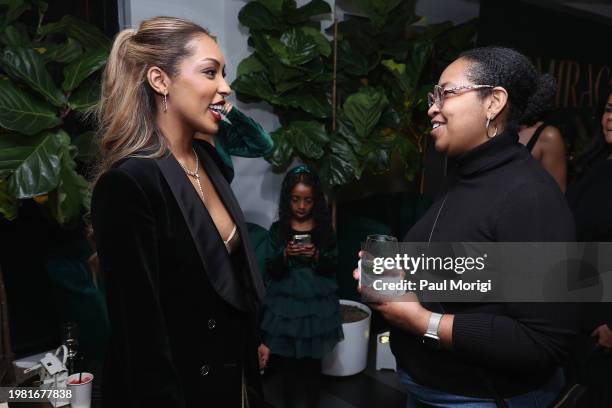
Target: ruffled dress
x=301 y=314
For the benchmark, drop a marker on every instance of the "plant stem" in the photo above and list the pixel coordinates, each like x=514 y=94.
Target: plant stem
x=335 y=64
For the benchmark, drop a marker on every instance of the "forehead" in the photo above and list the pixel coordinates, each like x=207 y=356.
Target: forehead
x=455 y=73
x=610 y=99
x=204 y=49
x=301 y=189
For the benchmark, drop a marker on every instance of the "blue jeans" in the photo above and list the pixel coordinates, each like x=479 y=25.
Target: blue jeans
x=419 y=395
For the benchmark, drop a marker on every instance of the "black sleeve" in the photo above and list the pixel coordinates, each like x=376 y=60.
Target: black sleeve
x=143 y=371
x=536 y=335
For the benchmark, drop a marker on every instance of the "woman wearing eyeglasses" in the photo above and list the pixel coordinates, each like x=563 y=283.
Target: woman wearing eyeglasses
x=496 y=354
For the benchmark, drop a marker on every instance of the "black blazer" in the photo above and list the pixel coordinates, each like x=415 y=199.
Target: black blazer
x=183 y=312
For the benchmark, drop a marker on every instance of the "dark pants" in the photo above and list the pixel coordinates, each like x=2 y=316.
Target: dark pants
x=301 y=380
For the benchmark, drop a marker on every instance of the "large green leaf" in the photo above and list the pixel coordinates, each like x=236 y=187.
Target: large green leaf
x=68 y=198
x=460 y=36
x=283 y=151
x=276 y=70
x=309 y=138
x=274 y=6
x=341 y=165
x=390 y=118
x=316 y=71
x=364 y=109
x=39 y=172
x=409 y=155
x=89 y=63
x=86 y=145
x=360 y=33
x=287 y=86
x=9 y=205
x=351 y=61
x=11 y=10
x=378 y=10
x=22 y=113
x=311 y=9
x=418 y=60
x=399 y=72
x=294 y=47
x=377 y=161
x=27 y=65
x=12 y=35
x=249 y=64
x=324 y=45
x=86 y=95
x=393 y=36
x=255 y=84
x=256 y=16
x=14 y=149
x=315 y=104
x=88 y=35
x=345 y=128
x=64 y=53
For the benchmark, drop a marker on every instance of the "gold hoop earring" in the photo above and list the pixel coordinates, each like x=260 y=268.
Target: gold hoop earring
x=487 y=129
x=165 y=102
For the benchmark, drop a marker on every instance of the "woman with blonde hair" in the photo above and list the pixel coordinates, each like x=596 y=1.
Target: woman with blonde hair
x=182 y=286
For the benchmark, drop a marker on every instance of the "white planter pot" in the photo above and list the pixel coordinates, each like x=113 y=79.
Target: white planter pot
x=350 y=356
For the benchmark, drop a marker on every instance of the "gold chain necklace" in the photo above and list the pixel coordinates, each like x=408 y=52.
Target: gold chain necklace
x=195 y=174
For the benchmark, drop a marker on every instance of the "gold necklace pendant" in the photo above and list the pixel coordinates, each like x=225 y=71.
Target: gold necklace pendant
x=195 y=174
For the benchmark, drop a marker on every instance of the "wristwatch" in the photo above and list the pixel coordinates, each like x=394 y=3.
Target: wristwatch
x=431 y=338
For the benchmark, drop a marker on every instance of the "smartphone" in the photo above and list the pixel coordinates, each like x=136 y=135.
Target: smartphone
x=301 y=239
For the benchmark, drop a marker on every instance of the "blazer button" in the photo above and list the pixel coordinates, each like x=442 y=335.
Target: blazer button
x=205 y=370
x=211 y=324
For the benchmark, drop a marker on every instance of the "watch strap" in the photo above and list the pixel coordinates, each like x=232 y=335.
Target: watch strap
x=433 y=324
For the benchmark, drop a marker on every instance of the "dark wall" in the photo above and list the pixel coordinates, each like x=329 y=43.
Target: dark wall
x=571 y=45
x=101 y=13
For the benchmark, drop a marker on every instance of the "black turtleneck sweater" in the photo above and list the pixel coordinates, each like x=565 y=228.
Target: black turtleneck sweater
x=498 y=193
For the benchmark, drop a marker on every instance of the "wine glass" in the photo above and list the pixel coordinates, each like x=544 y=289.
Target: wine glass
x=372 y=270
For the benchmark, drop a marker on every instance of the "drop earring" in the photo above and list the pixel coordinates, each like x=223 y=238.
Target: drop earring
x=165 y=103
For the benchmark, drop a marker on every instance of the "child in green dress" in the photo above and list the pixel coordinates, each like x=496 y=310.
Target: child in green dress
x=301 y=320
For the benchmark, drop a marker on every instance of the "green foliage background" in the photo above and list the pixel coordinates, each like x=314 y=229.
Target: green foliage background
x=47 y=81
x=387 y=59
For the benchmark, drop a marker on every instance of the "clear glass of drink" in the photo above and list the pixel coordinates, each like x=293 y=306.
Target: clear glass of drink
x=377 y=246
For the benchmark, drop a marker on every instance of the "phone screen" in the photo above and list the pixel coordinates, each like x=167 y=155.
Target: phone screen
x=301 y=239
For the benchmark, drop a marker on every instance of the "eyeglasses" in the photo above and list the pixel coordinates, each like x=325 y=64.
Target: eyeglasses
x=439 y=93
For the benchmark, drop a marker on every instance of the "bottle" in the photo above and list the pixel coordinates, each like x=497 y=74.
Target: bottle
x=70 y=340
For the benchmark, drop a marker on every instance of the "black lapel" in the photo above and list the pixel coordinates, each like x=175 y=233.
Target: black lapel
x=215 y=259
x=227 y=196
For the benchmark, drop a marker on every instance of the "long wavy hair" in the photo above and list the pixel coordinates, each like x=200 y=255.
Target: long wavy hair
x=126 y=110
x=322 y=223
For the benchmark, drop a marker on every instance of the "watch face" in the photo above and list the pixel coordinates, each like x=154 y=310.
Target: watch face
x=431 y=341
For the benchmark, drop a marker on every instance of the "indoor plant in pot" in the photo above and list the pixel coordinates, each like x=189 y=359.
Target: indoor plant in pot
x=350 y=355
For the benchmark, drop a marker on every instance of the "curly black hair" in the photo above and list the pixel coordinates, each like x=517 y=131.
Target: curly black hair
x=529 y=94
x=320 y=213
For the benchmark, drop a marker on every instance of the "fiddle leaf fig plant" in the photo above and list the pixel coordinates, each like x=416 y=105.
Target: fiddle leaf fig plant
x=356 y=109
x=47 y=80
